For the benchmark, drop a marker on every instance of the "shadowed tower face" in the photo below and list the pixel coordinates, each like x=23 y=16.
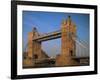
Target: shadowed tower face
x=68 y=45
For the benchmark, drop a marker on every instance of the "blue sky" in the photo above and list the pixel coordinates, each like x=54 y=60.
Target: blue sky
x=51 y=21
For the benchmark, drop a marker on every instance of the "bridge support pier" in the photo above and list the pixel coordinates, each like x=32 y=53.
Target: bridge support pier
x=62 y=60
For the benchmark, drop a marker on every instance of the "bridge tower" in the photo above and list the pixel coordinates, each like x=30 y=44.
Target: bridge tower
x=34 y=50
x=68 y=46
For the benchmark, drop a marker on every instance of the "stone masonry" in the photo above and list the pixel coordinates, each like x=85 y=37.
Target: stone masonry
x=68 y=33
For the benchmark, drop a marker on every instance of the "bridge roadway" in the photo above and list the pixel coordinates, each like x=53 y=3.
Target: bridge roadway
x=53 y=60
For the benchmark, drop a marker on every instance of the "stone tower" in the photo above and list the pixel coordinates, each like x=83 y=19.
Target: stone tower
x=34 y=50
x=68 y=46
x=34 y=47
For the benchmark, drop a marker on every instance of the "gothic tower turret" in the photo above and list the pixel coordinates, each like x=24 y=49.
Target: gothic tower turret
x=68 y=45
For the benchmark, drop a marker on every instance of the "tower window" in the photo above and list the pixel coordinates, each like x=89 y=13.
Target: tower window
x=71 y=52
x=35 y=56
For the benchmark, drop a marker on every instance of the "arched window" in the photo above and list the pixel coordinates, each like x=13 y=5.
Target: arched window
x=71 y=52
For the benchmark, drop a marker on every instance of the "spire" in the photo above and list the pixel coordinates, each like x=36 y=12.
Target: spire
x=69 y=20
x=34 y=29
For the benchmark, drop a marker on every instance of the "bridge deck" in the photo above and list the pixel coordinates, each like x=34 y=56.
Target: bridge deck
x=84 y=57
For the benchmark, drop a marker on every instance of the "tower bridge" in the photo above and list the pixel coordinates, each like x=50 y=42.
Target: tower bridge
x=74 y=51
